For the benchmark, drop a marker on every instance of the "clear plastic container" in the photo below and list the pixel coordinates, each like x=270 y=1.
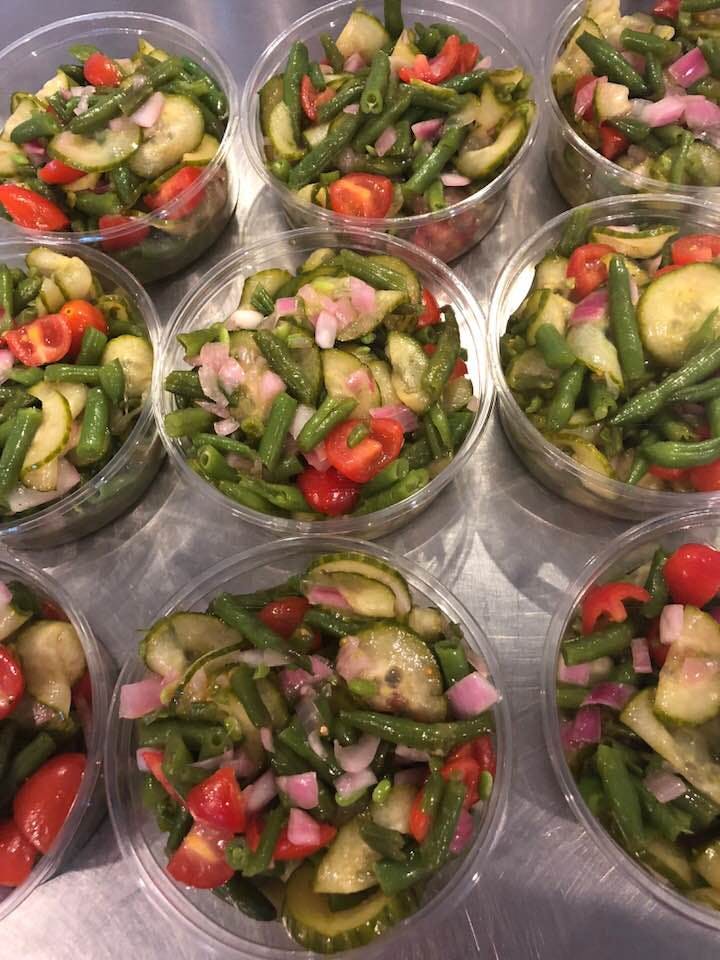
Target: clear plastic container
x=546 y=462
x=123 y=479
x=615 y=562
x=219 y=294
x=581 y=173
x=28 y=62
x=143 y=845
x=447 y=233
x=89 y=807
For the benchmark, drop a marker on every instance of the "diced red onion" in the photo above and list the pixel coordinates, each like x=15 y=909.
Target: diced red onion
x=301 y=789
x=119 y=124
x=477 y=660
x=358 y=756
x=231 y=375
x=5 y=594
x=698 y=670
x=140 y=760
x=412 y=775
x=454 y=179
x=385 y=141
x=326 y=327
x=34 y=151
x=223 y=428
x=217 y=409
x=257 y=658
x=141 y=698
x=584 y=96
x=427 y=129
x=689 y=68
x=244 y=319
x=317 y=457
x=260 y=793
x=354 y=63
x=79 y=91
x=579 y=675
x=591 y=309
x=671 y=622
x=286 y=306
x=634 y=292
x=326 y=68
x=472 y=695
x=321 y=669
x=347 y=160
x=636 y=60
x=653 y=265
x=316 y=744
x=587 y=726
x=398 y=412
x=641 y=655
x=463 y=832
x=303 y=831
x=701 y=113
x=302 y=415
x=148 y=114
x=664 y=786
x=360 y=380
x=266 y=738
x=668 y=110
x=352 y=108
x=609 y=694
x=270 y=385
x=6 y=364
x=328 y=597
x=350 y=783
x=362 y=296
x=410 y=755
x=308 y=715
x=83 y=104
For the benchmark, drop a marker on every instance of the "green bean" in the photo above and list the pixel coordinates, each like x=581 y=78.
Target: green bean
x=666 y=453
x=224 y=444
x=349 y=92
x=25 y=290
x=372 y=99
x=185 y=383
x=334 y=623
x=176 y=764
x=654 y=77
x=6 y=298
x=650 y=43
x=72 y=373
x=282 y=495
x=295 y=739
x=403 y=141
x=574 y=232
x=388 y=843
x=698 y=393
x=640 y=466
x=443 y=360
x=24 y=427
x=668 y=134
x=635 y=130
x=624 y=324
x=331 y=412
x=553 y=346
x=592 y=793
x=393 y=18
x=207 y=738
x=710 y=47
x=214 y=465
x=317 y=77
x=467 y=82
x=254 y=630
x=98 y=204
x=433 y=165
x=248 y=498
x=436 y=421
x=677 y=168
x=259 y=861
x=39 y=125
x=214 y=99
x=93 y=441
x=377 y=275
x=332 y=54
x=712 y=412
x=453 y=662
x=702 y=810
x=389 y=475
x=245 y=689
x=410 y=484
x=262 y=301
x=608 y=62
x=428 y=96
x=359 y=432
x=570 y=697
x=249 y=899
x=297 y=65
x=624 y=672
x=276 y=430
x=91 y=348
x=607 y=642
x=287 y=467
x=280 y=360
x=112 y=381
x=562 y=405
x=179 y=829
x=434 y=737
x=656 y=586
x=435 y=196
x=25 y=763
x=126 y=184
x=393 y=110
x=669 y=821
x=600 y=400
x=672 y=428
x=185 y=423
x=622 y=795
x=26 y=376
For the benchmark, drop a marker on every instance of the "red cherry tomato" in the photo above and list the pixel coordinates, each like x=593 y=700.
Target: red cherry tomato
x=172 y=187
x=311 y=99
x=45 y=340
x=469 y=53
x=284 y=850
x=460 y=368
x=367 y=458
x=586 y=114
x=28 y=209
x=658 y=650
x=586 y=268
x=608 y=600
x=442 y=66
x=12 y=681
x=218 y=802
x=463 y=766
x=706 y=479
x=134 y=233
x=153 y=760
x=101 y=71
x=42 y=803
x=692 y=574
x=419 y=822
x=55 y=171
x=695 y=248
x=612 y=142
x=17 y=856
x=670 y=474
x=79 y=315
x=361 y=195
x=199 y=861
x=284 y=615
x=667 y=8
x=330 y=492
x=484 y=753
x=431 y=314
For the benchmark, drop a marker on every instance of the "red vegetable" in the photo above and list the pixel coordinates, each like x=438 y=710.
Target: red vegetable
x=153 y=759
x=667 y=473
x=667 y=8
x=17 y=856
x=361 y=195
x=284 y=615
x=442 y=66
x=431 y=314
x=462 y=765
x=101 y=71
x=311 y=99
x=692 y=574
x=55 y=171
x=706 y=479
x=199 y=861
x=218 y=802
x=586 y=268
x=612 y=142
x=79 y=315
x=420 y=822
x=45 y=340
x=580 y=83
x=172 y=188
x=374 y=452
x=43 y=802
x=460 y=368
x=695 y=248
x=135 y=231
x=330 y=492
x=284 y=850
x=469 y=53
x=658 y=650
x=608 y=600
x=12 y=681
x=28 y=209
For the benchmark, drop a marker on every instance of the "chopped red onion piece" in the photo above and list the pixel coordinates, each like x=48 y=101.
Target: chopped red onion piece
x=398 y=412
x=352 y=108
x=260 y=793
x=34 y=151
x=6 y=364
x=362 y=296
x=359 y=755
x=701 y=114
x=451 y=179
x=664 y=786
x=587 y=726
x=641 y=655
x=148 y=114
x=591 y=309
x=141 y=698
x=286 y=306
x=316 y=744
x=610 y=694
x=578 y=676
x=5 y=594
x=326 y=328
x=303 y=831
x=671 y=622
x=350 y=783
x=584 y=97
x=328 y=597
x=214 y=763
x=471 y=696
x=266 y=738
x=668 y=110
x=427 y=129
x=410 y=755
x=317 y=457
x=385 y=141
x=309 y=715
x=270 y=385
x=223 y=428
x=302 y=415
x=301 y=789
x=689 y=68
x=360 y=380
x=354 y=63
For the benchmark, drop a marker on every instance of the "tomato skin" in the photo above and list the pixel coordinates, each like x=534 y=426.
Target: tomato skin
x=695 y=248
x=173 y=187
x=460 y=368
x=17 y=856
x=469 y=53
x=374 y=452
x=706 y=479
x=586 y=268
x=419 y=822
x=580 y=83
x=218 y=802
x=79 y=315
x=199 y=861
x=692 y=574
x=484 y=753
x=431 y=314
x=330 y=492
x=667 y=8
x=135 y=233
x=55 y=171
x=442 y=66
x=658 y=650
x=311 y=99
x=100 y=71
x=28 y=209
x=284 y=615
x=667 y=473
x=12 y=681
x=612 y=142
x=154 y=760
x=361 y=195
x=466 y=768
x=45 y=340
x=284 y=850
x=608 y=600
x=43 y=802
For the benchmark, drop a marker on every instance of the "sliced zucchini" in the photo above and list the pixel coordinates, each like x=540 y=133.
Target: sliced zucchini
x=176 y=640
x=383 y=378
x=707 y=896
x=670 y=862
x=528 y=371
x=385 y=302
x=76 y=396
x=61 y=81
x=51 y=296
x=271 y=280
x=551 y=274
x=370 y=567
x=270 y=95
x=486 y=112
x=280 y=132
x=22 y=112
x=179 y=130
x=573 y=62
x=640 y=244
x=309 y=920
x=409 y=363
x=52 y=660
x=45 y=261
x=318 y=258
x=363 y=34
x=44 y=478
x=427 y=622
x=582 y=451
x=338 y=367
x=688 y=689
x=404 y=52
x=707 y=864
x=75 y=279
x=54 y=430
x=674 y=307
x=136 y=358
x=347 y=866
x=611 y=100
x=313 y=135
x=394 y=812
x=368 y=598
x=413 y=287
x=402 y=668
x=551 y=308
x=96 y=154
x=203 y=154
x=11 y=619
x=12 y=159
x=590 y=345
x=485 y=161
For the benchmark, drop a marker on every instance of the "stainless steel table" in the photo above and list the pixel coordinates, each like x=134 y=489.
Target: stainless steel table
x=506 y=546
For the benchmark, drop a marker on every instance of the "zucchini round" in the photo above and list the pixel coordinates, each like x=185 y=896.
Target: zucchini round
x=96 y=154
x=179 y=130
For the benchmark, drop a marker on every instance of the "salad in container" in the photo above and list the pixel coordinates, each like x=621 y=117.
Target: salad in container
x=407 y=125
x=334 y=388
x=318 y=752
x=122 y=145
x=632 y=705
x=52 y=687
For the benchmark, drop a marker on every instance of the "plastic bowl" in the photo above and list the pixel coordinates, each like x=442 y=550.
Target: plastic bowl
x=581 y=174
x=28 y=62
x=546 y=462
x=219 y=294
x=141 y=842
x=447 y=233
x=615 y=562
x=120 y=482
x=87 y=811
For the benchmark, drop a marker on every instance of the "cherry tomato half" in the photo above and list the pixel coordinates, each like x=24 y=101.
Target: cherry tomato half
x=172 y=187
x=154 y=761
x=45 y=340
x=12 y=681
x=55 y=171
x=692 y=574
x=284 y=850
x=218 y=802
x=43 y=802
x=439 y=68
x=431 y=314
x=419 y=822
x=199 y=861
x=134 y=233
x=367 y=458
x=311 y=99
x=608 y=600
x=706 y=479
x=587 y=269
x=284 y=615
x=17 y=856
x=28 y=209
x=612 y=142
x=695 y=248
x=361 y=195
x=100 y=71
x=79 y=315
x=330 y=492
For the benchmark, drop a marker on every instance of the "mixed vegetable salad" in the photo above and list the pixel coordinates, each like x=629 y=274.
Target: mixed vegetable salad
x=638 y=697
x=320 y=748
x=644 y=89
x=107 y=141
x=300 y=402
x=75 y=367
x=393 y=120
x=613 y=356
x=45 y=701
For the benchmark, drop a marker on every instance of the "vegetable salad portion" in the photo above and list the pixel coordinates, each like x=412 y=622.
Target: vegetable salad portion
x=339 y=390
x=614 y=354
x=392 y=121
x=639 y=701
x=321 y=748
x=45 y=699
x=75 y=368
x=644 y=90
